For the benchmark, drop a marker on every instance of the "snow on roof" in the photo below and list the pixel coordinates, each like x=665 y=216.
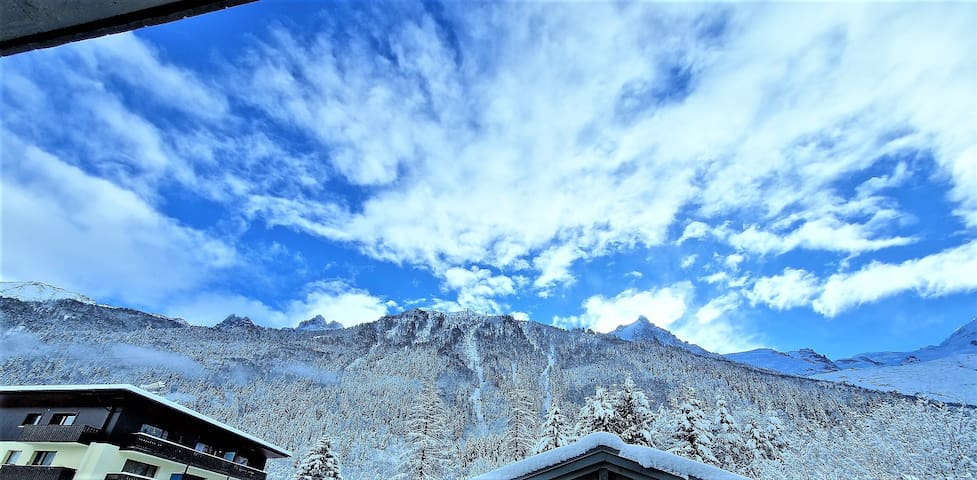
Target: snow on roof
x=645 y=456
x=149 y=396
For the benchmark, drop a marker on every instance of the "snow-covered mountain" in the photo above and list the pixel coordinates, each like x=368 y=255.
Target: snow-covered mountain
x=961 y=341
x=317 y=324
x=642 y=330
x=234 y=322
x=39 y=292
x=951 y=378
x=359 y=386
x=802 y=362
x=945 y=372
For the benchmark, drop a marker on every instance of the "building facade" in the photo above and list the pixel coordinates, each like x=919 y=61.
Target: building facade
x=119 y=432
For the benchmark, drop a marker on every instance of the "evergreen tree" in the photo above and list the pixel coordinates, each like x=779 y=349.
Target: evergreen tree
x=728 y=443
x=319 y=464
x=632 y=414
x=764 y=439
x=554 y=431
x=427 y=442
x=597 y=415
x=522 y=425
x=691 y=438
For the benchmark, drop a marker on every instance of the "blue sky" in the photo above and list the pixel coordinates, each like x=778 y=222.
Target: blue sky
x=743 y=175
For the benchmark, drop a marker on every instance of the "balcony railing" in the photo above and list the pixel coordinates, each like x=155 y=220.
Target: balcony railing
x=58 y=433
x=123 y=476
x=35 y=472
x=151 y=445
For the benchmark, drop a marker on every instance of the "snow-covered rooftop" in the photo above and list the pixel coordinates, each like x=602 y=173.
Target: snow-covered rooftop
x=645 y=456
x=149 y=396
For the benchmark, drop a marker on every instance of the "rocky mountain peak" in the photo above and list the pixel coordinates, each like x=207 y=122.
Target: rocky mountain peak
x=318 y=323
x=233 y=321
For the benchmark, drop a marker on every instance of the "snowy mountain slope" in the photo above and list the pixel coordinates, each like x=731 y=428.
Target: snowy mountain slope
x=961 y=341
x=802 y=362
x=947 y=379
x=943 y=372
x=39 y=292
x=642 y=330
x=359 y=384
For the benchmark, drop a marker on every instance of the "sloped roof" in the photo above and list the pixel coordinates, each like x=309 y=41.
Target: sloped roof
x=551 y=464
x=153 y=398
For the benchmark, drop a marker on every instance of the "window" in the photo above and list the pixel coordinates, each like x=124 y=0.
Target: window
x=185 y=476
x=139 y=468
x=32 y=419
x=154 y=431
x=43 y=457
x=63 y=419
x=241 y=460
x=229 y=456
x=203 y=447
x=12 y=457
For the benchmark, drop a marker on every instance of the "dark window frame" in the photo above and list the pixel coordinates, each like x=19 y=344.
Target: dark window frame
x=12 y=456
x=63 y=417
x=141 y=469
x=43 y=458
x=32 y=419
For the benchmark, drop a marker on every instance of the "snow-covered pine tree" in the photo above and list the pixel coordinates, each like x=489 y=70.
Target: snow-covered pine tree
x=319 y=464
x=764 y=438
x=554 y=432
x=597 y=414
x=727 y=441
x=632 y=414
x=427 y=450
x=691 y=438
x=522 y=425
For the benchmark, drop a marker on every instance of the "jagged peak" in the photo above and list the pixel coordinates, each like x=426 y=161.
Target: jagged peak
x=318 y=323
x=235 y=321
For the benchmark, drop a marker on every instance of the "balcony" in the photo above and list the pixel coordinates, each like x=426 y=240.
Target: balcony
x=158 y=447
x=58 y=433
x=34 y=472
x=123 y=476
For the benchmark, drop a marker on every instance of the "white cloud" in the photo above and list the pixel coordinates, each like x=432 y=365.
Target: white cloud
x=944 y=273
x=716 y=277
x=826 y=233
x=554 y=267
x=792 y=288
x=634 y=274
x=477 y=288
x=66 y=227
x=717 y=307
x=720 y=336
x=661 y=306
x=337 y=301
x=688 y=261
x=693 y=230
x=759 y=156
x=334 y=300
x=733 y=261
x=135 y=62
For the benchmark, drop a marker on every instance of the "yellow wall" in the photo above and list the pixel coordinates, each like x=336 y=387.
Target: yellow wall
x=93 y=461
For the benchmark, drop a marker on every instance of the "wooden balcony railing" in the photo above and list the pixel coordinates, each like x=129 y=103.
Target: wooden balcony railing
x=151 y=445
x=58 y=433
